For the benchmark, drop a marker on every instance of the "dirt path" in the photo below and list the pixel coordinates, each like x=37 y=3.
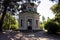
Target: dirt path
x=27 y=36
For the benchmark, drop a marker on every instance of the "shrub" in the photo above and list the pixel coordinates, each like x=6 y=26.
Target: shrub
x=52 y=27
x=9 y=23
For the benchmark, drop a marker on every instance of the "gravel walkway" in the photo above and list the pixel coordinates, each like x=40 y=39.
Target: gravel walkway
x=13 y=35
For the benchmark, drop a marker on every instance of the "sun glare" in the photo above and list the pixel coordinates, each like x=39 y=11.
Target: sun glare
x=44 y=9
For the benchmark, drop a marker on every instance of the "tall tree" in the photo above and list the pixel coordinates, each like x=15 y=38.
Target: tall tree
x=8 y=5
x=5 y=4
x=56 y=8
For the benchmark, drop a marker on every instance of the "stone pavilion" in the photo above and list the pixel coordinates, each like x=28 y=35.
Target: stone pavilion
x=29 y=18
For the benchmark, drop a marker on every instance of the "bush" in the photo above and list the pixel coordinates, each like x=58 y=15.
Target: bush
x=9 y=23
x=42 y=25
x=52 y=27
x=14 y=26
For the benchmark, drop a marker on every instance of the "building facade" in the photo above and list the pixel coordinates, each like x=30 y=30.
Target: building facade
x=29 y=18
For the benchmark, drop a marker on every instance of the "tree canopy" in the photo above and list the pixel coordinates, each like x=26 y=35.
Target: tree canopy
x=56 y=10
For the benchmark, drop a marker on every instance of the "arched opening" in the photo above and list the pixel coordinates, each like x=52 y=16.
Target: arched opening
x=29 y=24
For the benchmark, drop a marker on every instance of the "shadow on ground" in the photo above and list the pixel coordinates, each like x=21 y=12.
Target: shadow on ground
x=27 y=35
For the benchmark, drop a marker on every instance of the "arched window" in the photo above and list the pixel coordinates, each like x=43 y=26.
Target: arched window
x=21 y=22
x=35 y=10
x=29 y=22
x=29 y=8
x=36 y=23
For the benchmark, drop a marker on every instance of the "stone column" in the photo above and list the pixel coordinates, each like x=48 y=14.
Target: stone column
x=25 y=23
x=33 y=24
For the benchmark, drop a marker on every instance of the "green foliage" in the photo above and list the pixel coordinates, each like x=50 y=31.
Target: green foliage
x=51 y=26
x=56 y=9
x=43 y=18
x=42 y=23
x=9 y=22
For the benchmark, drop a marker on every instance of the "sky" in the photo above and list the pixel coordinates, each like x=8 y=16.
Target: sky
x=44 y=9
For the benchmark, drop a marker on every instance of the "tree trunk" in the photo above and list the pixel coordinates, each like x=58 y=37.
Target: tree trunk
x=5 y=4
x=2 y=18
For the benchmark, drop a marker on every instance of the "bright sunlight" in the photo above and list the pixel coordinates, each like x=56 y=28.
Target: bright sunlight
x=44 y=9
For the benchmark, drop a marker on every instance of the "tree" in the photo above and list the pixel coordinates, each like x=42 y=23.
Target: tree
x=43 y=23
x=43 y=18
x=5 y=4
x=8 y=5
x=56 y=9
x=51 y=26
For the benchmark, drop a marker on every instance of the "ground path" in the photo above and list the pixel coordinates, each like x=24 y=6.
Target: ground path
x=40 y=35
